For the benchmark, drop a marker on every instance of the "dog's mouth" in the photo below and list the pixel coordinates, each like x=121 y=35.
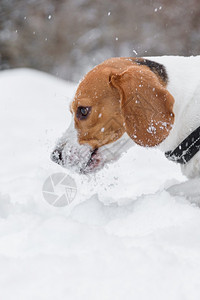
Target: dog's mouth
x=93 y=162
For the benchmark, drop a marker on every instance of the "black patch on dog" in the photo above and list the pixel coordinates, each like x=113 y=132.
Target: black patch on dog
x=155 y=67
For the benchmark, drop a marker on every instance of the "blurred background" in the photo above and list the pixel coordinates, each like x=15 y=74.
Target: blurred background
x=68 y=37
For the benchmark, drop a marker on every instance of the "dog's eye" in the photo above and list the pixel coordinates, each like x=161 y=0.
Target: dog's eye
x=83 y=112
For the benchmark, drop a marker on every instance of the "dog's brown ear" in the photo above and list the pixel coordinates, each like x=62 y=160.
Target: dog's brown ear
x=146 y=105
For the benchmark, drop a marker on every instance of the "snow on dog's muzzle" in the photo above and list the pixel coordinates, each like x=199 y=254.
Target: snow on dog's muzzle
x=83 y=158
x=71 y=155
x=80 y=159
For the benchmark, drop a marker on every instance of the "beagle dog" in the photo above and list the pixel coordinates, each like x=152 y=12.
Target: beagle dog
x=153 y=102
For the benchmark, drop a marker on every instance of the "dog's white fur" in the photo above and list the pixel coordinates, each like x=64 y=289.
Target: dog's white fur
x=184 y=85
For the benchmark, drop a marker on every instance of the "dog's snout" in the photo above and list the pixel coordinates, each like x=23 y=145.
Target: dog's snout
x=56 y=156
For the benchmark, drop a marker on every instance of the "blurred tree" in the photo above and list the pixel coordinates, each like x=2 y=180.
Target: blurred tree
x=68 y=37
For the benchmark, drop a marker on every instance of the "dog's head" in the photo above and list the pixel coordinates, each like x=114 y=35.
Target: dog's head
x=119 y=96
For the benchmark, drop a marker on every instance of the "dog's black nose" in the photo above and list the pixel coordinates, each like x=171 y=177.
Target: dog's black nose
x=56 y=156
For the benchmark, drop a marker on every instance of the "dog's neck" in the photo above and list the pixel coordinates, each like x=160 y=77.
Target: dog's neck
x=185 y=88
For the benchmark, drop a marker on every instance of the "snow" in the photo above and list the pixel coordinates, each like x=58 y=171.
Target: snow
x=123 y=237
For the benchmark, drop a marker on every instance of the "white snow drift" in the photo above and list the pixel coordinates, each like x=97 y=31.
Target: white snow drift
x=123 y=237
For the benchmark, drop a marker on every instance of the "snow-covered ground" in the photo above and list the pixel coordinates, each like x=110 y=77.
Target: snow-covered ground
x=123 y=237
